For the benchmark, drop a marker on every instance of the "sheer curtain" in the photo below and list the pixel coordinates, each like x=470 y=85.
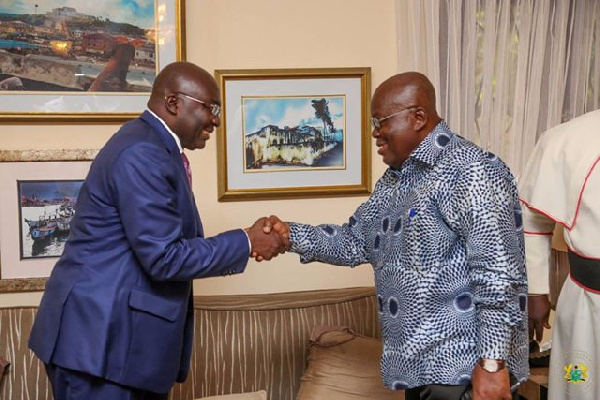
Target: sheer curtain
x=504 y=70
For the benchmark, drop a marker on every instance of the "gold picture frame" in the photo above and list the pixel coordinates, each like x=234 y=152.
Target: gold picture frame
x=18 y=274
x=294 y=133
x=104 y=75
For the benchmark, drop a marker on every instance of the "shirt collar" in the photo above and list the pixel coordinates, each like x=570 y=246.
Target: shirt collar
x=433 y=145
x=177 y=141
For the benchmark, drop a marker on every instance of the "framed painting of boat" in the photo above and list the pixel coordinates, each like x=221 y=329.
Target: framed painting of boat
x=292 y=133
x=39 y=189
x=85 y=60
x=45 y=212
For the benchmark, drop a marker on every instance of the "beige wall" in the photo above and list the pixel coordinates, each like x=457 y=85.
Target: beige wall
x=232 y=34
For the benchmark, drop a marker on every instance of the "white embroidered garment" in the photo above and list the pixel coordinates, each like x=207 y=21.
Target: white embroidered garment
x=561 y=184
x=555 y=176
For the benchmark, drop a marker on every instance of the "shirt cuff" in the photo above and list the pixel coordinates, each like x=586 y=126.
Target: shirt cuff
x=300 y=237
x=493 y=343
x=249 y=243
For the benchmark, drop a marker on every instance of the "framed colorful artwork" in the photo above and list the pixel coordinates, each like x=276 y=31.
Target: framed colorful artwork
x=39 y=190
x=46 y=208
x=88 y=61
x=290 y=133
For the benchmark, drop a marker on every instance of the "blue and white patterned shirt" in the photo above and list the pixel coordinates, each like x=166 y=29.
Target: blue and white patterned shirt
x=445 y=237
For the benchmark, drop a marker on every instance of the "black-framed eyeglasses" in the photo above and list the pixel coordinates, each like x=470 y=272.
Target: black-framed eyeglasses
x=376 y=122
x=215 y=109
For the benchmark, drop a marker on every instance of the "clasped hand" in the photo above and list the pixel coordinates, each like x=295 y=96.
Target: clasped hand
x=269 y=237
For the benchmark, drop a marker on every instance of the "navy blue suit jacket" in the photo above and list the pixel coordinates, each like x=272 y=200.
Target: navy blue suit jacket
x=118 y=303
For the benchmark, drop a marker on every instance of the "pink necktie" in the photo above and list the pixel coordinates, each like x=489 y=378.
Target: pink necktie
x=188 y=170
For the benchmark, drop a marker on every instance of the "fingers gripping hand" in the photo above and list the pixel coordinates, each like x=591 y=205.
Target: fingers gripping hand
x=282 y=228
x=266 y=243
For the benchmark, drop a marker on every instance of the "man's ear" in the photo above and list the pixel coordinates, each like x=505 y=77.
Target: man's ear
x=172 y=103
x=420 y=116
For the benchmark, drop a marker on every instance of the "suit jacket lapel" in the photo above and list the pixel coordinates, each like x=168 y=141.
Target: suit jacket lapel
x=171 y=146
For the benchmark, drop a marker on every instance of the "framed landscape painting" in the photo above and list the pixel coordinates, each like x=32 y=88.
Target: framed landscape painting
x=294 y=133
x=84 y=60
x=46 y=208
x=37 y=203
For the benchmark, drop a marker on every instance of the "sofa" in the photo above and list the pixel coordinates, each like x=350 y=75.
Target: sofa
x=314 y=345
x=243 y=344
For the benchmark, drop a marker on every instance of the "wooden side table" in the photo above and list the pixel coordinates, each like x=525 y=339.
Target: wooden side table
x=536 y=387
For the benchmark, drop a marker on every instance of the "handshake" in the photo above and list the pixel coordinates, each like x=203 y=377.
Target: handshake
x=269 y=237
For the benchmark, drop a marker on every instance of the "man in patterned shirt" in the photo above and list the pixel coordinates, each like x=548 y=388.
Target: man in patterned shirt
x=443 y=232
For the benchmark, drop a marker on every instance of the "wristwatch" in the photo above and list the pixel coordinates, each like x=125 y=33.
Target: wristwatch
x=491 y=365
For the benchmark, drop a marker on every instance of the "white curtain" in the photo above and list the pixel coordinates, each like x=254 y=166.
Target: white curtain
x=504 y=70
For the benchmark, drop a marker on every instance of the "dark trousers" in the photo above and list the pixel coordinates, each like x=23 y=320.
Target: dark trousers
x=435 y=392
x=73 y=385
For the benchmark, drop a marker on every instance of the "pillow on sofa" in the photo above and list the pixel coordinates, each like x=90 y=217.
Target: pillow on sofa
x=343 y=366
x=260 y=395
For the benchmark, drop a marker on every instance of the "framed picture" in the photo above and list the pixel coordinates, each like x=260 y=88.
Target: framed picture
x=39 y=189
x=85 y=61
x=46 y=208
x=291 y=133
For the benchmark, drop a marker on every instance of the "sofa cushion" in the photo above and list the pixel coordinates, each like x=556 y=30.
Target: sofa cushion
x=343 y=366
x=260 y=395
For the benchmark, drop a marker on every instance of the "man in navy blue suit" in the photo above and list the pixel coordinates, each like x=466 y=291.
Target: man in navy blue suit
x=116 y=318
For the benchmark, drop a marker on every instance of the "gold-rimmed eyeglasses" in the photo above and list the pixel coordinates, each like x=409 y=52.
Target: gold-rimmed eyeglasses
x=376 y=122
x=215 y=109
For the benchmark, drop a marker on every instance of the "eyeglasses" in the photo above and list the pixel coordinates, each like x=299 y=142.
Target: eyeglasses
x=376 y=122
x=215 y=109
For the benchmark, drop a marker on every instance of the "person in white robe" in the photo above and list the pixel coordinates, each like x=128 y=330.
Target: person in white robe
x=561 y=185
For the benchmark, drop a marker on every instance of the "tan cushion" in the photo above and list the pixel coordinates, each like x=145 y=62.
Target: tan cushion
x=343 y=365
x=260 y=395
